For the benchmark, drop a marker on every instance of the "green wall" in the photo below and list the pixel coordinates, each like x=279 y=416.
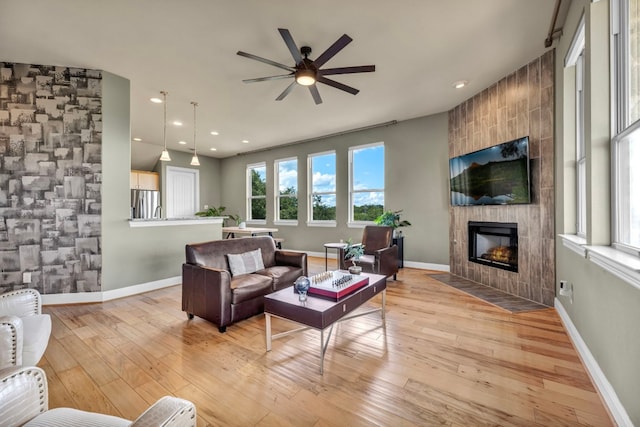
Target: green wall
x=605 y=310
x=133 y=256
x=416 y=180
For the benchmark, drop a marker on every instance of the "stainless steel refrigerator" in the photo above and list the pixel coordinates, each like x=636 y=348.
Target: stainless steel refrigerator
x=145 y=204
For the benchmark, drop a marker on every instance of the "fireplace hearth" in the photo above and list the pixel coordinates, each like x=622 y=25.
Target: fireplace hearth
x=494 y=244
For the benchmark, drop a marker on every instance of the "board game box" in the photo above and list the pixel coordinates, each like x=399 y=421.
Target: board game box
x=336 y=284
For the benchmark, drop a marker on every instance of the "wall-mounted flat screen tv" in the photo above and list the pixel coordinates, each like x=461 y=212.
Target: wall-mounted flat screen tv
x=497 y=175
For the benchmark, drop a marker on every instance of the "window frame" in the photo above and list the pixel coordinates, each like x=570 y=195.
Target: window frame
x=622 y=127
x=278 y=196
x=311 y=193
x=575 y=58
x=352 y=192
x=249 y=193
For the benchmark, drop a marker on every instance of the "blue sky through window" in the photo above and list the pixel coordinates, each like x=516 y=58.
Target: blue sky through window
x=368 y=174
x=323 y=168
x=288 y=175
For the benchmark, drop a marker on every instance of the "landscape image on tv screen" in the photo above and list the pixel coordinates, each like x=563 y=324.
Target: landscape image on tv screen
x=497 y=175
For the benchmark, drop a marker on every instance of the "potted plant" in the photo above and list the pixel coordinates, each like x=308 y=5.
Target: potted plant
x=392 y=219
x=354 y=252
x=219 y=211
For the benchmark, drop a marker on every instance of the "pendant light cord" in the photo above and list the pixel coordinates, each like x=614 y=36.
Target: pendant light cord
x=164 y=132
x=195 y=150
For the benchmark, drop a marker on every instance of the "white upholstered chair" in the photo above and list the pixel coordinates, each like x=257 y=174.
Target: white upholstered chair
x=24 y=330
x=24 y=401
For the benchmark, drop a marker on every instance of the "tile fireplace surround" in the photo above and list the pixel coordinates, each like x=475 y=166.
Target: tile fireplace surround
x=521 y=104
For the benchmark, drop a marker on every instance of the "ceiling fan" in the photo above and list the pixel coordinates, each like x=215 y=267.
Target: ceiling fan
x=308 y=72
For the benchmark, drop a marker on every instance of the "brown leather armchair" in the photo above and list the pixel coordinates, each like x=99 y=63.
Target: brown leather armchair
x=380 y=255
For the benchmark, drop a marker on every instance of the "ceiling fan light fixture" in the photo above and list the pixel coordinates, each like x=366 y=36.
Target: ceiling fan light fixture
x=305 y=77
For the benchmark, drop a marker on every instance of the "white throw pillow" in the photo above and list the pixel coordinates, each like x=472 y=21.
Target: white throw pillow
x=245 y=263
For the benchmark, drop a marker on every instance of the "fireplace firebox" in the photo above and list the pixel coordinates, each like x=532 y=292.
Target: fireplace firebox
x=494 y=244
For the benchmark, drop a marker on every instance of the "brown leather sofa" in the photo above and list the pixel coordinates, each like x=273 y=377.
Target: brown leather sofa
x=210 y=291
x=380 y=254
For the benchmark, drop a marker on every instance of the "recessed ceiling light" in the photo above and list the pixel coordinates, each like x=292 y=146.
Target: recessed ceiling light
x=177 y=123
x=182 y=142
x=213 y=149
x=245 y=141
x=156 y=100
x=213 y=132
x=137 y=139
x=460 y=84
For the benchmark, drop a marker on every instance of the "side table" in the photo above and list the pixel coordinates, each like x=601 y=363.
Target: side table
x=399 y=241
x=337 y=247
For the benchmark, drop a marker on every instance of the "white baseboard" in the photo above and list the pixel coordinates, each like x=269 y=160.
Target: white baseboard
x=427 y=266
x=412 y=264
x=603 y=385
x=87 y=297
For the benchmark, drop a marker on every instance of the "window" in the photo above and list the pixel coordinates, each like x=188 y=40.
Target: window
x=626 y=144
x=257 y=192
x=286 y=172
x=366 y=182
x=581 y=157
x=322 y=188
x=575 y=59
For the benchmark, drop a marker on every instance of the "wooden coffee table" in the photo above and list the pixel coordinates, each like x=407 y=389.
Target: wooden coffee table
x=320 y=313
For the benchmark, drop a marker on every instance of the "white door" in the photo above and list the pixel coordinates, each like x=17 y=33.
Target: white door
x=183 y=192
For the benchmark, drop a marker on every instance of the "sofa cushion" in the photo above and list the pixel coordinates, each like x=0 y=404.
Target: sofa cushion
x=245 y=263
x=212 y=254
x=37 y=329
x=282 y=275
x=249 y=286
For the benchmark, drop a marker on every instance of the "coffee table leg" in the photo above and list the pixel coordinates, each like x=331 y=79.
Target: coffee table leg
x=322 y=348
x=267 y=330
x=384 y=303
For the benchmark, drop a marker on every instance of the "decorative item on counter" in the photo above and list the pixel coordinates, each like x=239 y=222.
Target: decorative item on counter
x=219 y=211
x=302 y=285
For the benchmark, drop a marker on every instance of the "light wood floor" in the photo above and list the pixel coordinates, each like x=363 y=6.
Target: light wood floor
x=443 y=358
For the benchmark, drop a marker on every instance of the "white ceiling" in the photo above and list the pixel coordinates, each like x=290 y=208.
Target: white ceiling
x=188 y=48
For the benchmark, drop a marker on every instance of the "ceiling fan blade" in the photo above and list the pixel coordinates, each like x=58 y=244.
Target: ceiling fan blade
x=316 y=95
x=348 y=70
x=333 y=49
x=264 y=79
x=338 y=85
x=286 y=91
x=266 y=61
x=288 y=39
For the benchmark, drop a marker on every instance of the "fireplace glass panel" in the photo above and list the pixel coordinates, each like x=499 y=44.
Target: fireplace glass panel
x=494 y=244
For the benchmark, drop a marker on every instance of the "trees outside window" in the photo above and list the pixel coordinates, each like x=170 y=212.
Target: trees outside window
x=322 y=187
x=286 y=171
x=257 y=192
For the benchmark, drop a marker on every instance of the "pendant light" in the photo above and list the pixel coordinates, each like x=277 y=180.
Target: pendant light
x=165 y=154
x=194 y=160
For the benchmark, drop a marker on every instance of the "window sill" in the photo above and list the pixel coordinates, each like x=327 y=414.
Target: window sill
x=575 y=243
x=286 y=223
x=257 y=222
x=621 y=264
x=618 y=263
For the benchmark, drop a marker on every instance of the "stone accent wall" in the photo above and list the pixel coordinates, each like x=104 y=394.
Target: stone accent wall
x=521 y=104
x=50 y=178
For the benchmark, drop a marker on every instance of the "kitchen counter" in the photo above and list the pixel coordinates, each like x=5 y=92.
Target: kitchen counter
x=164 y=222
